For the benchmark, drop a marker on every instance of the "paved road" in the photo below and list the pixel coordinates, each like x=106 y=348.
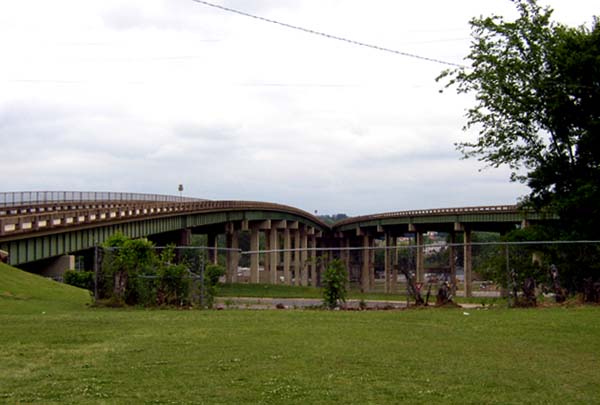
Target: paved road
x=290 y=303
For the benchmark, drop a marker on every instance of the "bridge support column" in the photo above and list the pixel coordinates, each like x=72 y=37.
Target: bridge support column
x=273 y=257
x=56 y=267
x=387 y=257
x=420 y=259
x=366 y=258
x=212 y=244
x=297 y=261
x=468 y=262
x=452 y=262
x=304 y=258
x=322 y=259
x=313 y=261
x=287 y=256
x=372 y=266
x=185 y=237
x=346 y=258
x=266 y=276
x=233 y=256
x=254 y=257
x=394 y=281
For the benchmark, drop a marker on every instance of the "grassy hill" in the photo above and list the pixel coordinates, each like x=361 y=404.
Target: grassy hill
x=22 y=292
x=55 y=350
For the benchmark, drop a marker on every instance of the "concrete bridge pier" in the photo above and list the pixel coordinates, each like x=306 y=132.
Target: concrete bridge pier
x=452 y=262
x=304 y=257
x=467 y=257
x=273 y=257
x=255 y=256
x=420 y=253
x=233 y=256
x=468 y=265
x=297 y=257
x=347 y=259
x=287 y=256
x=366 y=263
x=313 y=259
x=394 y=283
x=213 y=245
x=388 y=261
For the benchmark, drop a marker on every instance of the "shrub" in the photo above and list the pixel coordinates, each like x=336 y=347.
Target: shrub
x=334 y=284
x=81 y=279
x=212 y=273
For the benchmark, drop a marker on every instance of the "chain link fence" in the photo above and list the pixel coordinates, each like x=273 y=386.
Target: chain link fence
x=155 y=276
x=521 y=272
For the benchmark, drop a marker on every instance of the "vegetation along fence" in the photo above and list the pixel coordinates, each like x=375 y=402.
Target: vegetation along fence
x=524 y=272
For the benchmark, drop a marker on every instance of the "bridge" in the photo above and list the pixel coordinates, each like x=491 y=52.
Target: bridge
x=45 y=226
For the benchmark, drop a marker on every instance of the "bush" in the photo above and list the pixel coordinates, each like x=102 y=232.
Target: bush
x=212 y=274
x=334 y=284
x=81 y=279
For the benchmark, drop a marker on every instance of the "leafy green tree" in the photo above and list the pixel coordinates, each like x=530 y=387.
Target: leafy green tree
x=212 y=274
x=334 y=284
x=537 y=90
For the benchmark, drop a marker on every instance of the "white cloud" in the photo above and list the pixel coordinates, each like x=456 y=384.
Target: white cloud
x=145 y=94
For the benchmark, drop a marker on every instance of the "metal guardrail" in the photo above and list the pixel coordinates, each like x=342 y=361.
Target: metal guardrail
x=435 y=211
x=22 y=198
x=47 y=218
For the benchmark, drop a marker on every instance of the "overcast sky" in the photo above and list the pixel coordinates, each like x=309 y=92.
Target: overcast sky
x=142 y=95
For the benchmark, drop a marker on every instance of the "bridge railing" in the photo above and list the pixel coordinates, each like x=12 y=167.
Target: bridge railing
x=432 y=211
x=20 y=198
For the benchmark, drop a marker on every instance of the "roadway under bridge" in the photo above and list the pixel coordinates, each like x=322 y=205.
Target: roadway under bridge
x=46 y=227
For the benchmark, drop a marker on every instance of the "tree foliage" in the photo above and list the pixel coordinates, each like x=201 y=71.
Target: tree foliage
x=334 y=284
x=537 y=89
x=135 y=273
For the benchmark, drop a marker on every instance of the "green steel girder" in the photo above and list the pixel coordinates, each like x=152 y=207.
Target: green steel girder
x=68 y=240
x=476 y=220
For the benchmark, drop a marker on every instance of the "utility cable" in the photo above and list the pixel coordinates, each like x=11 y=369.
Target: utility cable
x=323 y=34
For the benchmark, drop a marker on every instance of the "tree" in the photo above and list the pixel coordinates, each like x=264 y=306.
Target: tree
x=537 y=90
x=334 y=284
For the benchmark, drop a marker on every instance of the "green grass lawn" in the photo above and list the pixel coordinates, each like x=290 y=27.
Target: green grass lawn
x=56 y=350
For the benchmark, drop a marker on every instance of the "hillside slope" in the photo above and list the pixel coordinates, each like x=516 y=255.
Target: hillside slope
x=25 y=292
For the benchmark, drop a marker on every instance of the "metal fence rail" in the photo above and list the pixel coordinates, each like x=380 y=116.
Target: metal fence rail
x=19 y=198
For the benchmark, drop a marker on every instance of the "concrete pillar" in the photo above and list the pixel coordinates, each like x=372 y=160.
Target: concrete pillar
x=468 y=262
x=322 y=260
x=394 y=281
x=452 y=262
x=266 y=278
x=212 y=244
x=297 y=259
x=185 y=237
x=313 y=261
x=273 y=256
x=372 y=266
x=346 y=257
x=387 y=259
x=287 y=256
x=420 y=256
x=366 y=258
x=233 y=257
x=304 y=258
x=254 y=257
x=57 y=266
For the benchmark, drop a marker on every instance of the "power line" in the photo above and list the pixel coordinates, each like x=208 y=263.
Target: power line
x=323 y=34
